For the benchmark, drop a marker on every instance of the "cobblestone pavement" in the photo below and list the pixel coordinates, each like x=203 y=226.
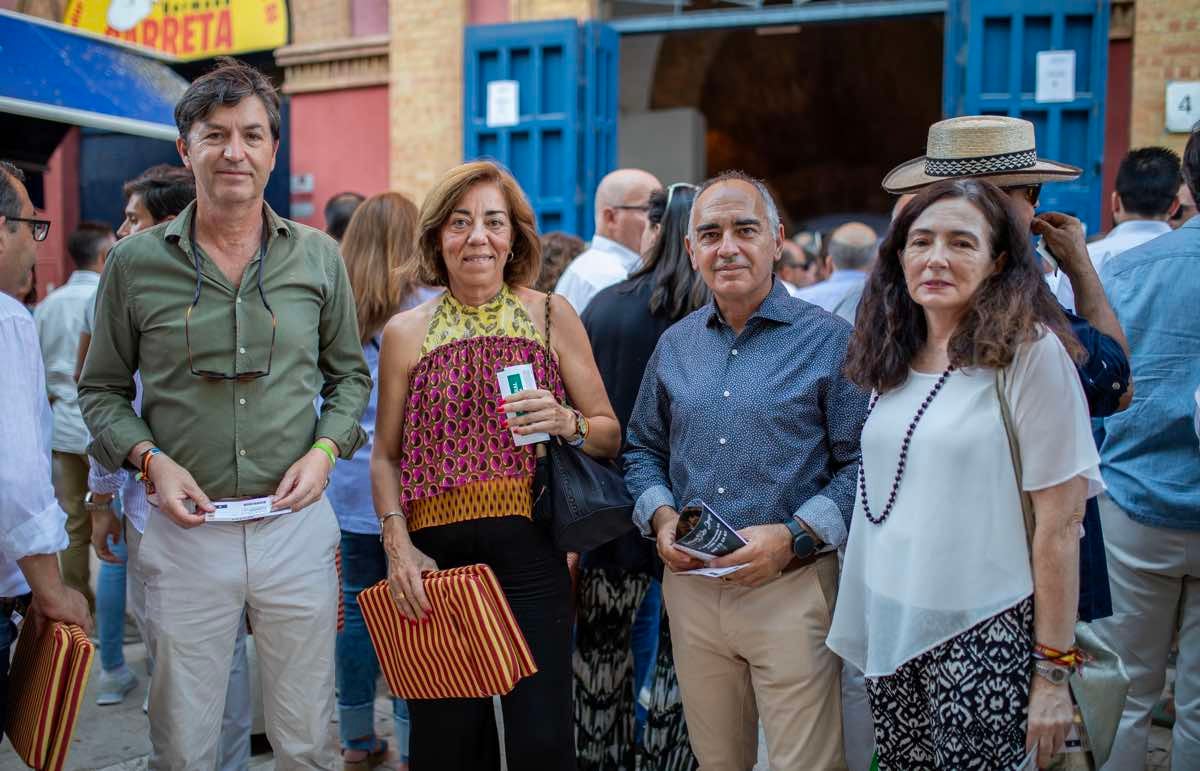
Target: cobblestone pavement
x=116 y=738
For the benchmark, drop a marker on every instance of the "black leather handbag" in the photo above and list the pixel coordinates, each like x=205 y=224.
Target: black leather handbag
x=583 y=500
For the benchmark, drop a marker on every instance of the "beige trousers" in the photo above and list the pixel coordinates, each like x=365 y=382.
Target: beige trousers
x=1155 y=578
x=742 y=654
x=197 y=582
x=69 y=473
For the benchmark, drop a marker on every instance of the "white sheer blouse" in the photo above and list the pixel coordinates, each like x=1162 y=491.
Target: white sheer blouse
x=953 y=553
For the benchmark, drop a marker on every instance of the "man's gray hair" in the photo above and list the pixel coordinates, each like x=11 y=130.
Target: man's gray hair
x=10 y=199
x=734 y=175
x=851 y=256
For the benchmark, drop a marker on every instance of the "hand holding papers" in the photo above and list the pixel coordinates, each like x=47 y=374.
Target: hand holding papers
x=703 y=534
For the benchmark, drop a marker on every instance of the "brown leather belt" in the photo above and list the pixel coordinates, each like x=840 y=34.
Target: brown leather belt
x=798 y=563
x=9 y=604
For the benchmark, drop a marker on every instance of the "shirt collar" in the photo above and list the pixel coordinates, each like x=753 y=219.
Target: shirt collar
x=629 y=258
x=84 y=277
x=776 y=306
x=847 y=275
x=179 y=228
x=1131 y=227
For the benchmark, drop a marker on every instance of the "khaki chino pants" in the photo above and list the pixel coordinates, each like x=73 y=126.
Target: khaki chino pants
x=744 y=653
x=197 y=583
x=69 y=472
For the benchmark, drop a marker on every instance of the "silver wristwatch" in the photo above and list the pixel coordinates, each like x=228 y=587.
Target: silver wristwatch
x=1055 y=673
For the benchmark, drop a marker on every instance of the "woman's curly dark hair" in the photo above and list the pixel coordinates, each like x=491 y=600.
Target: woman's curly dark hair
x=1012 y=306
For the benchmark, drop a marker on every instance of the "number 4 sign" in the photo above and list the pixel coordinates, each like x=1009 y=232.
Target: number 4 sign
x=1183 y=105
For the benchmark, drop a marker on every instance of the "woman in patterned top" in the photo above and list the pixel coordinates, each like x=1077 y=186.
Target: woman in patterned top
x=449 y=483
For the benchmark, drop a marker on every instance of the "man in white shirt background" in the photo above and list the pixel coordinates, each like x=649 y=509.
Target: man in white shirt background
x=851 y=251
x=60 y=319
x=1145 y=200
x=622 y=200
x=31 y=521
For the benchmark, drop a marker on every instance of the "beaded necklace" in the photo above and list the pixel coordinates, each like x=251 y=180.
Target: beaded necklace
x=912 y=426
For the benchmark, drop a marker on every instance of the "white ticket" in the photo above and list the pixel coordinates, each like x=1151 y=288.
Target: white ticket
x=519 y=377
x=240 y=511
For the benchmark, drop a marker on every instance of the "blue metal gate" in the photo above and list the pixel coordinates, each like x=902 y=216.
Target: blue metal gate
x=564 y=138
x=991 y=68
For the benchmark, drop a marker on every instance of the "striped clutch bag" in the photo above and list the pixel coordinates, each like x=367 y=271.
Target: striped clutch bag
x=471 y=647
x=45 y=689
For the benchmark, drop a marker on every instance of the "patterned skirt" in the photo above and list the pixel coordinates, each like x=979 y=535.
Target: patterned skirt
x=608 y=601
x=963 y=705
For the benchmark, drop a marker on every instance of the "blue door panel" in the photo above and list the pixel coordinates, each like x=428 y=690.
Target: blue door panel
x=991 y=69
x=565 y=138
x=600 y=127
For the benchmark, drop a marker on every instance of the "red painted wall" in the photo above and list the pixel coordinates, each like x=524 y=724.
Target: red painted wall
x=341 y=138
x=61 y=184
x=1117 y=106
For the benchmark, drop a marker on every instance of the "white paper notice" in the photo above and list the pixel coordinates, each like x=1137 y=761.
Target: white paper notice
x=712 y=572
x=1055 y=76
x=503 y=104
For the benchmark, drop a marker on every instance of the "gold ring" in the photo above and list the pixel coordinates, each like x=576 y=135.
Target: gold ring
x=402 y=595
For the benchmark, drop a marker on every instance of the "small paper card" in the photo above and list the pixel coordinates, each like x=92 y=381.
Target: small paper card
x=713 y=572
x=240 y=511
x=519 y=377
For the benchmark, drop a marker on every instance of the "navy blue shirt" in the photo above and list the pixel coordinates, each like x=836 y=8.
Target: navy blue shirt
x=760 y=425
x=1105 y=377
x=1105 y=374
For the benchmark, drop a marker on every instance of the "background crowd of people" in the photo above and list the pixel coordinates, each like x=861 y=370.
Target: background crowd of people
x=942 y=446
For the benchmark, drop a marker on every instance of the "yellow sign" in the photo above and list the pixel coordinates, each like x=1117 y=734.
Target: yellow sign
x=189 y=29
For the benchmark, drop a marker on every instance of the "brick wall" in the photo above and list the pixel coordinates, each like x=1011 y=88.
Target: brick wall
x=1166 y=46
x=533 y=10
x=316 y=21
x=425 y=96
x=53 y=10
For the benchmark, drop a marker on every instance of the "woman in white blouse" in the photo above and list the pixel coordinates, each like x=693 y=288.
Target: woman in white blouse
x=938 y=604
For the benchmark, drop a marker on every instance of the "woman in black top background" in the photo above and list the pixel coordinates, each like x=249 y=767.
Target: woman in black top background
x=623 y=645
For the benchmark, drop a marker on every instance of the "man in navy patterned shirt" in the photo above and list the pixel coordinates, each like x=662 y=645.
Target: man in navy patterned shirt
x=743 y=406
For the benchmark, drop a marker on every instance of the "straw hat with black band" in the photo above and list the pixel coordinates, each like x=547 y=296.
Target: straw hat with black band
x=997 y=148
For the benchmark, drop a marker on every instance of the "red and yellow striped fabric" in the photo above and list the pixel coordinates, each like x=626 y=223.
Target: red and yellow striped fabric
x=470 y=648
x=49 y=675
x=341 y=616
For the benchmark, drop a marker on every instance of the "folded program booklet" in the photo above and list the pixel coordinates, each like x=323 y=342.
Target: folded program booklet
x=702 y=533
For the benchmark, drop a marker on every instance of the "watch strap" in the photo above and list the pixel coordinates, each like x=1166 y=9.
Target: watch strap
x=803 y=544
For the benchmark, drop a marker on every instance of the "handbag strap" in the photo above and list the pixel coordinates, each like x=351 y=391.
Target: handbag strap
x=1014 y=449
x=549 y=297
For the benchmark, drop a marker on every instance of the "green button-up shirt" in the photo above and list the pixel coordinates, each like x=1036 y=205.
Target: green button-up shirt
x=237 y=438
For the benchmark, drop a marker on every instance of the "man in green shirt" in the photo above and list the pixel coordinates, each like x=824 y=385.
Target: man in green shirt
x=236 y=319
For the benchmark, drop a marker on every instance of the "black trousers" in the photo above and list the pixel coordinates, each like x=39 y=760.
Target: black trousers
x=452 y=734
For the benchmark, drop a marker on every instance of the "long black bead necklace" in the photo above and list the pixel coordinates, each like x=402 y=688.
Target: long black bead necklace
x=862 y=467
